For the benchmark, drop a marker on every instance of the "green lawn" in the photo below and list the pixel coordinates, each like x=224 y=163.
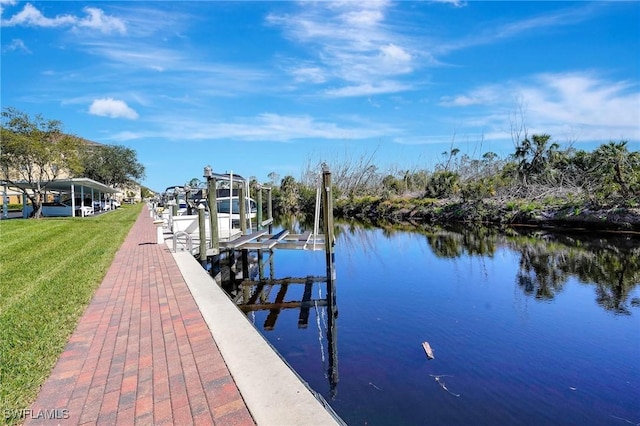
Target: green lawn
x=49 y=270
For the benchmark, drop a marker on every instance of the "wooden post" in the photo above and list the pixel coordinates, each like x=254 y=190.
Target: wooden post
x=272 y=267
x=327 y=223
x=259 y=212
x=270 y=210
x=245 y=264
x=202 y=231
x=243 y=208
x=213 y=209
x=246 y=295
x=327 y=220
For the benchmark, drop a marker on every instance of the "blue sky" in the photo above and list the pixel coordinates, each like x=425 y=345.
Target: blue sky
x=260 y=87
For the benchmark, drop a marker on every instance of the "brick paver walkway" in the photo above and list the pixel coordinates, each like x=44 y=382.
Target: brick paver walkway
x=142 y=353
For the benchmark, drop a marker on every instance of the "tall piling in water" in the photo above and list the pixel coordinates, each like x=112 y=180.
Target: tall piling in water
x=327 y=220
x=259 y=210
x=270 y=210
x=328 y=229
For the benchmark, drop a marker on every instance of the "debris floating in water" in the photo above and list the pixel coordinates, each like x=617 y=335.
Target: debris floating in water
x=443 y=385
x=428 y=350
x=375 y=386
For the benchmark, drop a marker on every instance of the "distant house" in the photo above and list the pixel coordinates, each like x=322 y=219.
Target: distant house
x=11 y=196
x=131 y=193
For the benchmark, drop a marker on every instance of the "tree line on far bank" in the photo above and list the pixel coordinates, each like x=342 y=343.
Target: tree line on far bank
x=538 y=170
x=35 y=150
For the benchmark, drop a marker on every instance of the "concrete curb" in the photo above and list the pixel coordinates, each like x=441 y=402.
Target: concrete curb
x=273 y=392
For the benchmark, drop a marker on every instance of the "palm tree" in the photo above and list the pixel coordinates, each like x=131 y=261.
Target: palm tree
x=535 y=156
x=616 y=167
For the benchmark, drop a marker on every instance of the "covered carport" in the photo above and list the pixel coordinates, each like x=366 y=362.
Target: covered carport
x=81 y=188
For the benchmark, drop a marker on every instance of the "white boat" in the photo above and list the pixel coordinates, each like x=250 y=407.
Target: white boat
x=231 y=205
x=189 y=225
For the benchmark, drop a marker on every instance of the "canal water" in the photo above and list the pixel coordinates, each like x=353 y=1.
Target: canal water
x=527 y=327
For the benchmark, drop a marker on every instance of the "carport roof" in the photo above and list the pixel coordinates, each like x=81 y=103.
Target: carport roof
x=65 y=185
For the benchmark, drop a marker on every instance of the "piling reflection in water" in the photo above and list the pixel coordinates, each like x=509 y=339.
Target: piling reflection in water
x=254 y=287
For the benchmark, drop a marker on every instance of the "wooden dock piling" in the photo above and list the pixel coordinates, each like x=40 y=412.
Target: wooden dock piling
x=270 y=210
x=202 y=231
x=259 y=212
x=213 y=208
x=332 y=307
x=243 y=207
x=327 y=220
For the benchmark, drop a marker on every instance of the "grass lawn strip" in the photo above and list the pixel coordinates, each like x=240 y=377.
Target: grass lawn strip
x=46 y=281
x=26 y=281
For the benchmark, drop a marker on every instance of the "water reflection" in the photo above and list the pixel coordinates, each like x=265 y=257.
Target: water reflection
x=612 y=265
x=481 y=297
x=256 y=288
x=611 y=262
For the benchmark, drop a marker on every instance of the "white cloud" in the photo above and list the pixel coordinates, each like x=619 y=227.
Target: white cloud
x=353 y=45
x=4 y=3
x=393 y=53
x=480 y=96
x=561 y=104
x=17 y=44
x=488 y=34
x=363 y=17
x=461 y=100
x=264 y=127
x=310 y=74
x=367 y=89
x=109 y=107
x=395 y=59
x=136 y=59
x=136 y=55
x=581 y=100
x=454 y=3
x=95 y=19
x=30 y=16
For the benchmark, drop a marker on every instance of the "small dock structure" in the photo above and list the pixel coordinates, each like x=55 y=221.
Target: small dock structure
x=236 y=248
x=209 y=233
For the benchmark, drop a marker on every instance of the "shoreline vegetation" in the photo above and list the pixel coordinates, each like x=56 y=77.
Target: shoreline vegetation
x=539 y=184
x=376 y=210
